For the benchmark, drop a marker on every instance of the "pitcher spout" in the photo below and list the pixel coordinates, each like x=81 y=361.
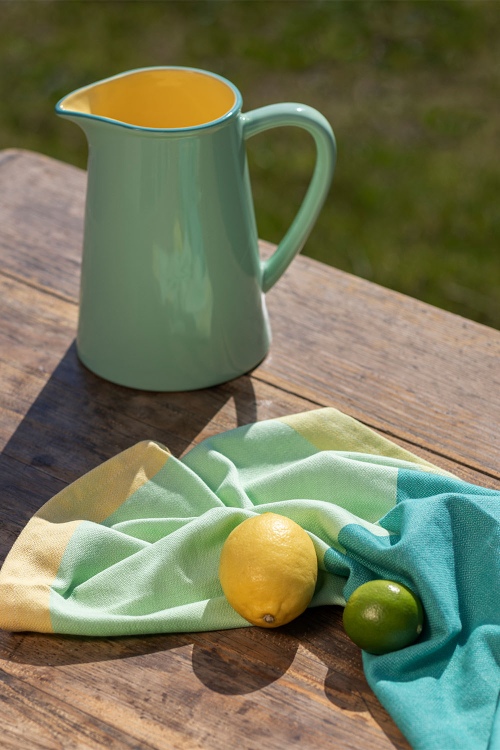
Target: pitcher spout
x=154 y=99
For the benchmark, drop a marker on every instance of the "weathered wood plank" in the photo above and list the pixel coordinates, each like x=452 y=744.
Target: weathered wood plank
x=416 y=372
x=300 y=687
x=58 y=416
x=422 y=373
x=34 y=719
x=41 y=220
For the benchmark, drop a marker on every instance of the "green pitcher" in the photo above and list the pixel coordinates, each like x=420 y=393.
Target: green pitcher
x=172 y=286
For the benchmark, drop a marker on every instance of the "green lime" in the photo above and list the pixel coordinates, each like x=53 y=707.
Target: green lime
x=383 y=616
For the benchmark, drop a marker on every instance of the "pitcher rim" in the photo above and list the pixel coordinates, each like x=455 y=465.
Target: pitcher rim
x=234 y=110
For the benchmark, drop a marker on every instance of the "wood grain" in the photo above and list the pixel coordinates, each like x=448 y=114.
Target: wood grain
x=301 y=687
x=419 y=372
x=73 y=420
x=423 y=377
x=413 y=371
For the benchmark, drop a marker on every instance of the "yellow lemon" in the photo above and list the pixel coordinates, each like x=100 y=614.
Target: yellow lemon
x=383 y=616
x=268 y=569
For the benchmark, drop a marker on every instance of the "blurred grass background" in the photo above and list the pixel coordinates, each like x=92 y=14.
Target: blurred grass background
x=412 y=90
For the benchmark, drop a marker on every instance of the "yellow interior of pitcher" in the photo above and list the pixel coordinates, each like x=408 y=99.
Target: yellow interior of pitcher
x=156 y=98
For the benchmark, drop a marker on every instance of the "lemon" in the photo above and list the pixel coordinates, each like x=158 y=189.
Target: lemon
x=268 y=569
x=383 y=616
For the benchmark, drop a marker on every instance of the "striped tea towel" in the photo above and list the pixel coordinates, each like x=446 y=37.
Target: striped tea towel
x=133 y=547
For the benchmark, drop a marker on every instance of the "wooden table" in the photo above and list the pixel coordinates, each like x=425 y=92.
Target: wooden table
x=425 y=378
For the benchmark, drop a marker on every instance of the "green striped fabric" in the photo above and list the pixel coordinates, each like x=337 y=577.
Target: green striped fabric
x=133 y=548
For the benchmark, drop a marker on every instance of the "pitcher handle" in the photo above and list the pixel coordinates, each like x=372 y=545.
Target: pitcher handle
x=303 y=116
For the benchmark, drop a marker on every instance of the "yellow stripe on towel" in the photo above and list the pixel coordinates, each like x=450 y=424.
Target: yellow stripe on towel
x=330 y=429
x=28 y=573
x=32 y=564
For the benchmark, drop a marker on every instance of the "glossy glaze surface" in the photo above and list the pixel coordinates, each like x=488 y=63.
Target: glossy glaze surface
x=172 y=286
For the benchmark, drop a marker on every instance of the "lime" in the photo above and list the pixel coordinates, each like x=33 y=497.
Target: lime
x=383 y=616
x=268 y=569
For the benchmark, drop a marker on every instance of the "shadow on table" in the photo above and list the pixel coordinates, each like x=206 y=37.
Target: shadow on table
x=230 y=662
x=80 y=420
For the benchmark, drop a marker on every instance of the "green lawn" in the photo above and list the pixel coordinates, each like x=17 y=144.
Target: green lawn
x=412 y=90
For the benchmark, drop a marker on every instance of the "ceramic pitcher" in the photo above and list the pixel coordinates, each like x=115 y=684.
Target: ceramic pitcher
x=172 y=285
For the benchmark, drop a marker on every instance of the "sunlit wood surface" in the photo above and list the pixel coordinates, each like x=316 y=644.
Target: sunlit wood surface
x=427 y=379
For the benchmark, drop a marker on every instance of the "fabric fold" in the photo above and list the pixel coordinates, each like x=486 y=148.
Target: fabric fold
x=133 y=548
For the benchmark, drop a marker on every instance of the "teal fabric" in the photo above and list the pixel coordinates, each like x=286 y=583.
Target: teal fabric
x=444 y=542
